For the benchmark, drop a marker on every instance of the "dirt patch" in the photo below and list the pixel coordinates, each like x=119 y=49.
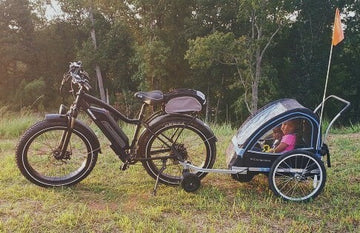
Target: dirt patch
x=100 y=205
x=134 y=202
x=349 y=136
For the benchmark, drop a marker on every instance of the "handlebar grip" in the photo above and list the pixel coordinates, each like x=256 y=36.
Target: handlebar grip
x=78 y=76
x=75 y=64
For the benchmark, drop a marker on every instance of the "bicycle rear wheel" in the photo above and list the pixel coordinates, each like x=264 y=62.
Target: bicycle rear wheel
x=180 y=137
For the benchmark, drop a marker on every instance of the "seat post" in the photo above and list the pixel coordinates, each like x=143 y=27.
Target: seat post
x=142 y=112
x=138 y=125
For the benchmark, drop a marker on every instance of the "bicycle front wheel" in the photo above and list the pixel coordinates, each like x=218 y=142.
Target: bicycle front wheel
x=40 y=160
x=187 y=139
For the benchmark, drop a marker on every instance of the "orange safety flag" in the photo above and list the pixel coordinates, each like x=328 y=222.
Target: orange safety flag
x=338 y=34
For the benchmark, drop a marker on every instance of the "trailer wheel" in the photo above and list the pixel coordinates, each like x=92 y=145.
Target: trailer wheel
x=243 y=178
x=191 y=182
x=297 y=176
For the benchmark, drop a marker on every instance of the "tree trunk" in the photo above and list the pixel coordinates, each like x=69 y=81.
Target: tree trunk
x=218 y=100
x=255 y=84
x=207 y=104
x=97 y=67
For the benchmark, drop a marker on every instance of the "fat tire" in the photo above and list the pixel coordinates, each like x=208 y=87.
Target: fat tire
x=194 y=126
x=32 y=174
x=307 y=185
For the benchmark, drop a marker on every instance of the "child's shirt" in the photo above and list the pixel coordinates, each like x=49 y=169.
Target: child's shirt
x=289 y=139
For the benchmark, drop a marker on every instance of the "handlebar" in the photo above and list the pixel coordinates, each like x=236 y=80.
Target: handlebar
x=346 y=106
x=78 y=76
x=347 y=103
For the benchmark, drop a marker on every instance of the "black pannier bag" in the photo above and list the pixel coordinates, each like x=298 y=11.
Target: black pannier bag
x=184 y=100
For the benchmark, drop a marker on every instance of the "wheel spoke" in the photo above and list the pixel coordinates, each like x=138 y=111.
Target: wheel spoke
x=297 y=177
x=50 y=167
x=159 y=151
x=284 y=183
x=181 y=141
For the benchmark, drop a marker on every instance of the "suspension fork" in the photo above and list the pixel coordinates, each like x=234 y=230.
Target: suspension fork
x=65 y=138
x=71 y=115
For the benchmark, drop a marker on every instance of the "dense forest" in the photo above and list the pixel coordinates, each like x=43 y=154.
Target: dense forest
x=241 y=53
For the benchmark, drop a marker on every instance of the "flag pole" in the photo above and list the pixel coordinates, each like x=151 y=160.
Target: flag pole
x=323 y=99
x=337 y=37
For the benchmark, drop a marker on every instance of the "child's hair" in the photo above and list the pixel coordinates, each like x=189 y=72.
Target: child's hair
x=293 y=123
x=288 y=140
x=277 y=129
x=277 y=132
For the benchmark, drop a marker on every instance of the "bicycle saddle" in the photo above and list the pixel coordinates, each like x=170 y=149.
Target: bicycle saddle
x=150 y=97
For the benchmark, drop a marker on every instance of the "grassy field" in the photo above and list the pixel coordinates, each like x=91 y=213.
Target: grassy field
x=110 y=200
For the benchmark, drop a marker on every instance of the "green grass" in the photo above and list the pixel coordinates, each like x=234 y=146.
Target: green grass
x=12 y=125
x=110 y=200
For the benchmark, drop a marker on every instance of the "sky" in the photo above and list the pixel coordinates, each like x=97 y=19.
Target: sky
x=53 y=10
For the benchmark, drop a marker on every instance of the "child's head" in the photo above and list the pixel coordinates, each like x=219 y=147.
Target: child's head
x=277 y=133
x=288 y=127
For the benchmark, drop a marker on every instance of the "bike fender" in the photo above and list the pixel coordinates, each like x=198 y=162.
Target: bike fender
x=90 y=133
x=209 y=135
x=56 y=117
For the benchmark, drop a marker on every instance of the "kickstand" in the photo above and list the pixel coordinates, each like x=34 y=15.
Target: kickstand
x=160 y=172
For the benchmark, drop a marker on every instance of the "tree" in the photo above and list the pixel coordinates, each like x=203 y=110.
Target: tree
x=261 y=21
x=344 y=76
x=56 y=45
x=78 y=9
x=16 y=46
x=302 y=52
x=161 y=41
x=97 y=67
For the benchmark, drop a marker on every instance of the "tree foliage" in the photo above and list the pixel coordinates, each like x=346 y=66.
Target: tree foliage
x=240 y=53
x=16 y=45
x=261 y=21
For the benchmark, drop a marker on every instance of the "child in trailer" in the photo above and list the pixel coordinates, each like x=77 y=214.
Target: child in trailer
x=288 y=140
x=277 y=134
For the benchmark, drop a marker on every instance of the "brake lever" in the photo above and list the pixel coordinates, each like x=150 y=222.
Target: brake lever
x=87 y=85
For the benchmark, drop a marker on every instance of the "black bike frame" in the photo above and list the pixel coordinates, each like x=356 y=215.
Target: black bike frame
x=105 y=117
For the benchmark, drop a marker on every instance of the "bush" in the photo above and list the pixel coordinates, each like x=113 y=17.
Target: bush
x=30 y=94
